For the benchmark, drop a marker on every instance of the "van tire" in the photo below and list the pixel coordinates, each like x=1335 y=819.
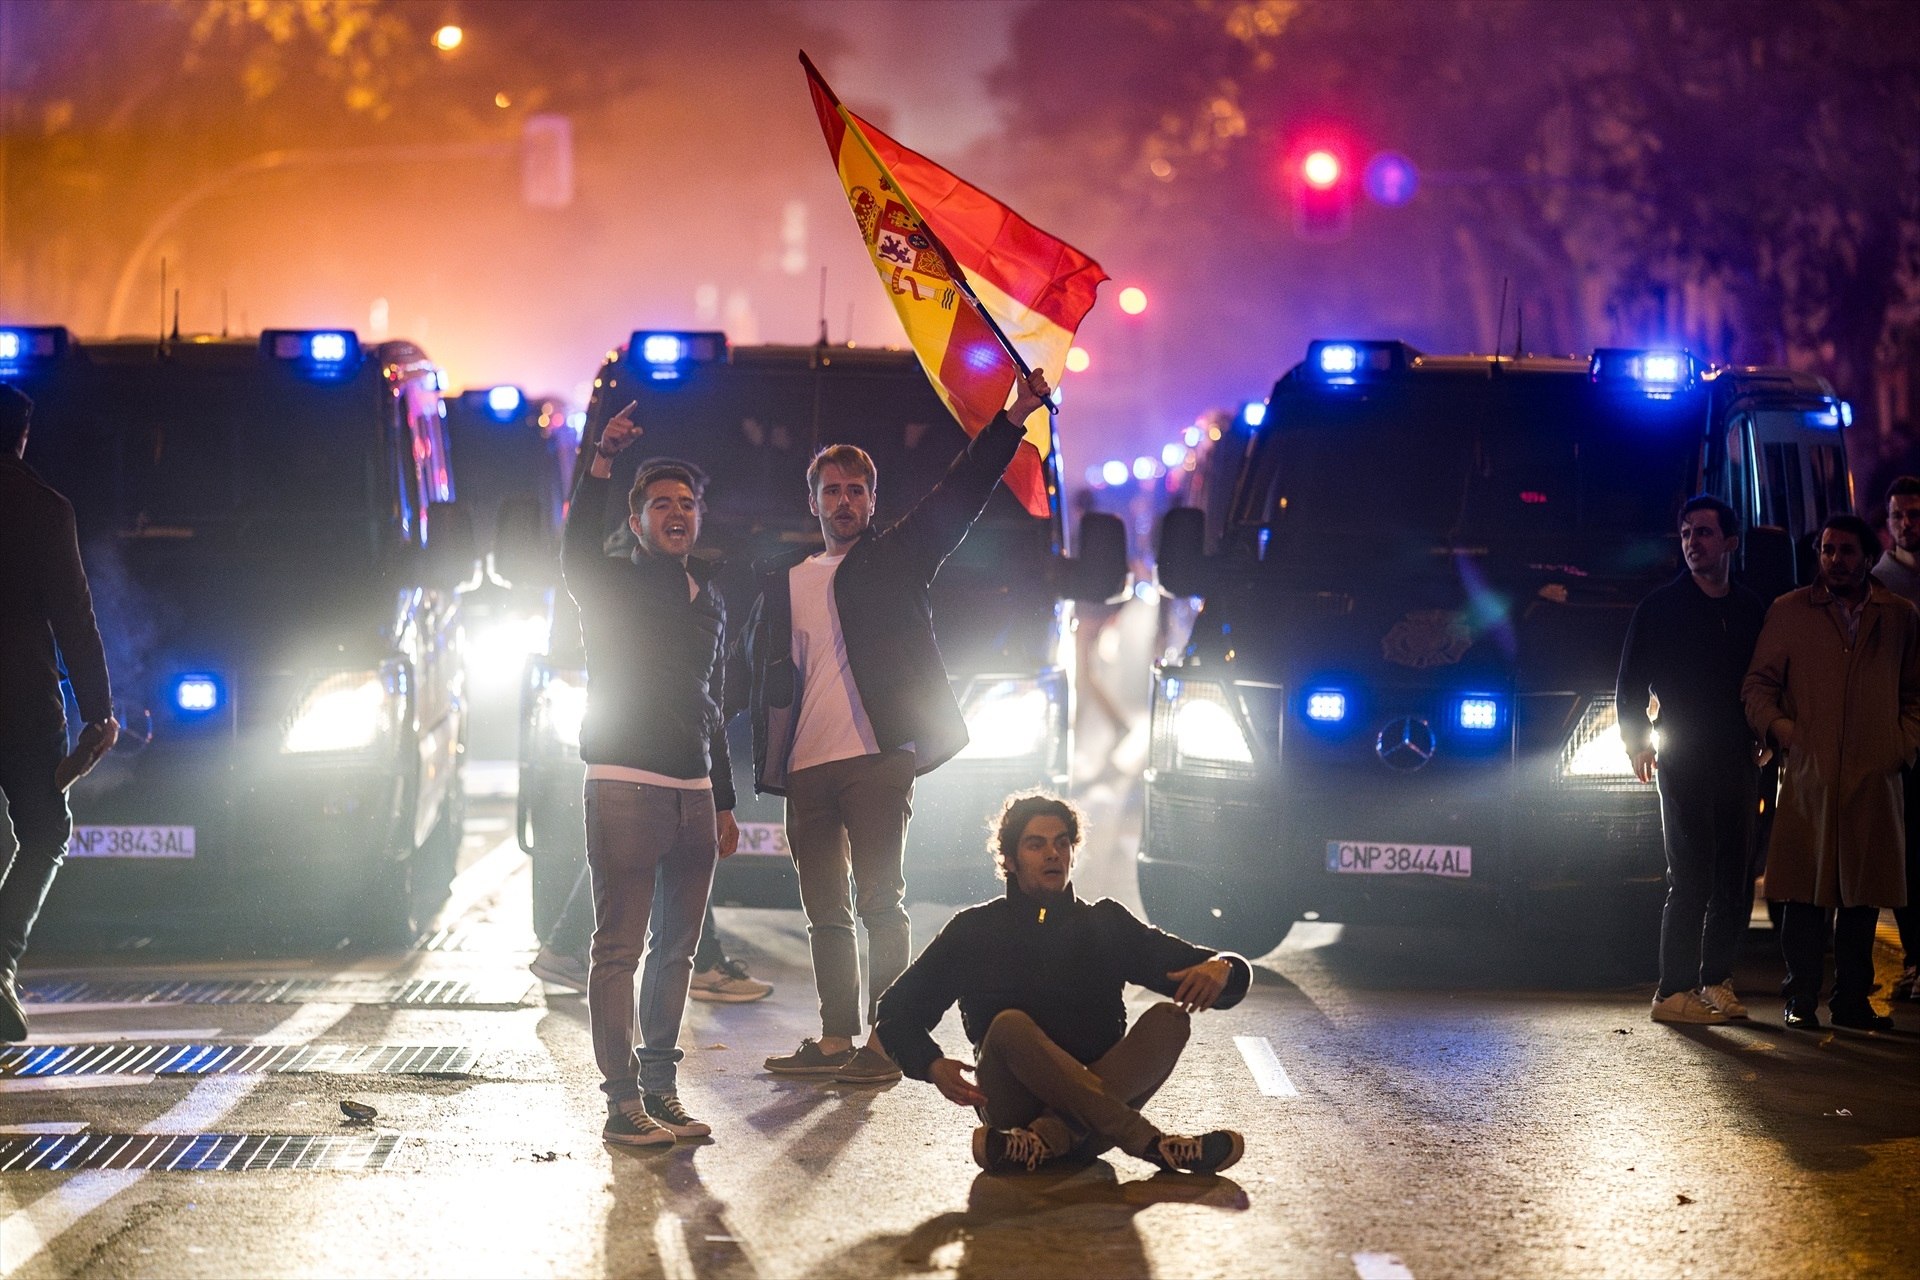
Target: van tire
x=1189 y=904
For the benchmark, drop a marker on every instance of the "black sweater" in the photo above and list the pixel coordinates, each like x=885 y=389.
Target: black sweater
x=1065 y=967
x=655 y=660
x=44 y=603
x=1691 y=652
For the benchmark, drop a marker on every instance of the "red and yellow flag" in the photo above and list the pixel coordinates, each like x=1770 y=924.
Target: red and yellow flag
x=923 y=225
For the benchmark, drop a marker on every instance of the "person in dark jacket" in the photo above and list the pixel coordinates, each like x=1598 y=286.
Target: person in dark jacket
x=659 y=797
x=46 y=619
x=1688 y=647
x=1039 y=976
x=850 y=702
x=1898 y=570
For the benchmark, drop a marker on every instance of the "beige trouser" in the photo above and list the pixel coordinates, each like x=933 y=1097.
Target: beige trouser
x=1033 y=1083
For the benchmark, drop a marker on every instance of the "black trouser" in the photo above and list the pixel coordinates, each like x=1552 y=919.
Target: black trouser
x=573 y=929
x=1908 y=917
x=41 y=825
x=1706 y=817
x=1803 y=946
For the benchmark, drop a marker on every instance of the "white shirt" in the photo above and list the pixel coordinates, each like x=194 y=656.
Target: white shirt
x=832 y=724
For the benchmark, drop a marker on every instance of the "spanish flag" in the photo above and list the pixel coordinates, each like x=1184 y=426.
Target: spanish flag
x=965 y=273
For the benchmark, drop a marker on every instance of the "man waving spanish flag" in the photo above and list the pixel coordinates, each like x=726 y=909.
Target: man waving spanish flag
x=984 y=295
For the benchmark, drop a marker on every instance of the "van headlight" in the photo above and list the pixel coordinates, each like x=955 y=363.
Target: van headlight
x=498 y=648
x=1196 y=729
x=562 y=707
x=1595 y=754
x=347 y=711
x=1006 y=719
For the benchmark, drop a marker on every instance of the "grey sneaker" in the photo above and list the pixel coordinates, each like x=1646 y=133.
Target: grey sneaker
x=1720 y=996
x=666 y=1111
x=561 y=970
x=727 y=983
x=629 y=1125
x=868 y=1066
x=1687 y=1007
x=809 y=1060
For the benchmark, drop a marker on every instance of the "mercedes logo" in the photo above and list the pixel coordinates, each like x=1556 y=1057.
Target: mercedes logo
x=1406 y=744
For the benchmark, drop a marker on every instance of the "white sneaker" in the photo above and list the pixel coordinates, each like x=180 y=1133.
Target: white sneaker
x=727 y=983
x=560 y=969
x=1720 y=996
x=1686 y=1006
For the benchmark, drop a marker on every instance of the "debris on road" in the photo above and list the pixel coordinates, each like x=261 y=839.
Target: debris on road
x=357 y=1112
x=1683 y=1197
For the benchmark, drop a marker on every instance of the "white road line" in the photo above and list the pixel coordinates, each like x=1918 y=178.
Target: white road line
x=61 y=1084
x=182 y=1034
x=46 y=1126
x=1380 y=1266
x=1267 y=1071
x=676 y=1263
x=26 y=1232
x=37 y=1010
x=479 y=881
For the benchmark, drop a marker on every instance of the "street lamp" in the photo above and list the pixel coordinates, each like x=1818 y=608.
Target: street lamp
x=448 y=38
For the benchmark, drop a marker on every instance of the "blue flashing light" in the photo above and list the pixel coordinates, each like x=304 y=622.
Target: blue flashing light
x=504 y=402
x=1478 y=713
x=1658 y=373
x=327 y=348
x=1327 y=706
x=1339 y=358
x=197 y=693
x=1254 y=414
x=26 y=346
x=663 y=348
x=1391 y=179
x=1846 y=413
x=325 y=354
x=12 y=341
x=1345 y=361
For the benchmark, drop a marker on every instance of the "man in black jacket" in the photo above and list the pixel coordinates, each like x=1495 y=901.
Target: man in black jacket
x=46 y=619
x=850 y=702
x=659 y=785
x=1039 y=975
x=1688 y=646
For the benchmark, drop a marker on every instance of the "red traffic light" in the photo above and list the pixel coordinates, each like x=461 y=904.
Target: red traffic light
x=1320 y=169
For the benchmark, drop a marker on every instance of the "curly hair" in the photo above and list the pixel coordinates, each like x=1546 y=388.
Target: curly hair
x=1006 y=827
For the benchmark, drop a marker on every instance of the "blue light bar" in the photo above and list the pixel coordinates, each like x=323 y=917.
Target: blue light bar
x=1339 y=357
x=1254 y=414
x=504 y=402
x=27 y=346
x=197 y=693
x=666 y=352
x=1657 y=373
x=327 y=354
x=1345 y=361
x=1327 y=706
x=327 y=348
x=1478 y=713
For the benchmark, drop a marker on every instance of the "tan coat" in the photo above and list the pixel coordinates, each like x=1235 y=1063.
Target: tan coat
x=1838 y=838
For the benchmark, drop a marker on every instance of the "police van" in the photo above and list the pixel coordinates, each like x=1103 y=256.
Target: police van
x=269 y=531
x=1397 y=702
x=751 y=417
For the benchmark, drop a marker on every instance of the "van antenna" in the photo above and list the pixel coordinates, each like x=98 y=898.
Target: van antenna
x=223 y=311
x=1519 y=327
x=175 y=335
x=163 y=303
x=823 y=306
x=1500 y=327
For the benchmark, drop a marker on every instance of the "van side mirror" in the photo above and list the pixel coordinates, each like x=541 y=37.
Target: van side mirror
x=1099 y=573
x=521 y=551
x=1183 y=565
x=451 y=552
x=1768 y=561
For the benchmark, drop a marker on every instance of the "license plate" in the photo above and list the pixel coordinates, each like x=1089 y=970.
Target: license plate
x=1365 y=857
x=768 y=839
x=131 y=842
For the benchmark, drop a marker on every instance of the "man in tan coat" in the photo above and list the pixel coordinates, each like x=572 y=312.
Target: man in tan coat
x=1835 y=689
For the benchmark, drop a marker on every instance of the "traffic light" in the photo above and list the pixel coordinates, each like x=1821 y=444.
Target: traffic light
x=1322 y=195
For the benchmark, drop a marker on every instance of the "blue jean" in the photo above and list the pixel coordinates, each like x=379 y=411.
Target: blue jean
x=41 y=826
x=651 y=851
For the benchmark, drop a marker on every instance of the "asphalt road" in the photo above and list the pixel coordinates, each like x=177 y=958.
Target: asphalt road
x=1426 y=1104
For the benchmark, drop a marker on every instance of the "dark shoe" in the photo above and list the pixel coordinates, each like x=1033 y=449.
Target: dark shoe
x=561 y=970
x=1007 y=1150
x=868 y=1066
x=1858 y=1018
x=1208 y=1153
x=1800 y=1017
x=629 y=1125
x=13 y=1019
x=665 y=1110
x=809 y=1060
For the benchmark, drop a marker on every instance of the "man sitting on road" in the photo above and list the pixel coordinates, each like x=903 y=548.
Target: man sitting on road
x=1039 y=976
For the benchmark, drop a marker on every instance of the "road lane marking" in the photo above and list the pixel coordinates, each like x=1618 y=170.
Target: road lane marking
x=26 y=1232
x=1267 y=1071
x=486 y=877
x=50 y=1008
x=106 y=1037
x=1380 y=1266
x=46 y=1126
x=676 y=1262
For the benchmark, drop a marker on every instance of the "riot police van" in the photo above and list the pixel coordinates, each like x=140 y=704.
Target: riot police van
x=1397 y=702
x=268 y=528
x=751 y=417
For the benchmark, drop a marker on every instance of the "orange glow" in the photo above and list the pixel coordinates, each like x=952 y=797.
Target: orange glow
x=1077 y=360
x=1133 y=300
x=1320 y=169
x=448 y=38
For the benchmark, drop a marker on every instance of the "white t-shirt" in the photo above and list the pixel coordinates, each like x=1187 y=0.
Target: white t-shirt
x=832 y=724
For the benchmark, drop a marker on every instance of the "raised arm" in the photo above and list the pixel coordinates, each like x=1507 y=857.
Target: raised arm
x=583 y=544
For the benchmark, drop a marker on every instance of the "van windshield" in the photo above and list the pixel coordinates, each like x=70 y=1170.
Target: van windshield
x=1521 y=469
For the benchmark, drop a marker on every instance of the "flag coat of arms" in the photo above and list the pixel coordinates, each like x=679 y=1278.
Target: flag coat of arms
x=947 y=252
